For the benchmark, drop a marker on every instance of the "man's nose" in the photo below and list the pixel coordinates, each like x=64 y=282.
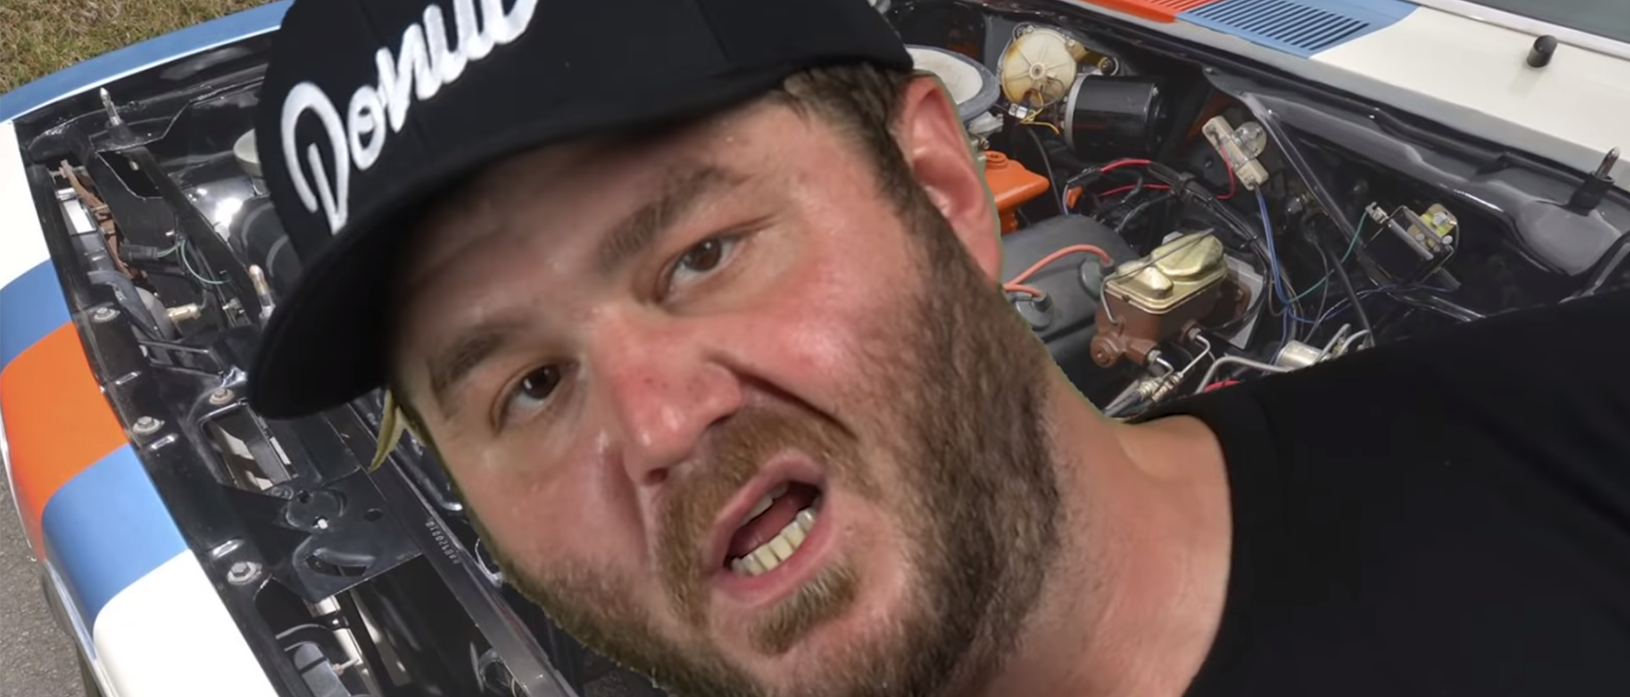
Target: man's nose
x=665 y=389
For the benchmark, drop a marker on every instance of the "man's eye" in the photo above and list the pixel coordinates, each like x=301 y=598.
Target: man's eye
x=703 y=257
x=534 y=389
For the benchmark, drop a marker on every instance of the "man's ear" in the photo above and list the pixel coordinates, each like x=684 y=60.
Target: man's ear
x=935 y=146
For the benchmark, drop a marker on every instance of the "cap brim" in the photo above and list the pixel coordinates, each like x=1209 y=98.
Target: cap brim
x=325 y=343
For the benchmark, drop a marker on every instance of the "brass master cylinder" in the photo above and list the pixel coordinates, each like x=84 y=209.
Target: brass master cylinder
x=1148 y=300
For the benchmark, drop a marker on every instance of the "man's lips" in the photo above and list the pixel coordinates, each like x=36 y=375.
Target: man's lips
x=782 y=470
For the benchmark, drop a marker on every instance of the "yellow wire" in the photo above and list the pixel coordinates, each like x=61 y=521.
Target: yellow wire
x=1031 y=121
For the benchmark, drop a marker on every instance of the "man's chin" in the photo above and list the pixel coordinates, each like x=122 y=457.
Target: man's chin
x=820 y=602
x=818 y=648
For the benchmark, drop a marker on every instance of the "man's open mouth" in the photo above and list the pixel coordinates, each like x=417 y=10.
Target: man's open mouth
x=773 y=529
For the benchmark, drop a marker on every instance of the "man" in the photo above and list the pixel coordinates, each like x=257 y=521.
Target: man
x=697 y=302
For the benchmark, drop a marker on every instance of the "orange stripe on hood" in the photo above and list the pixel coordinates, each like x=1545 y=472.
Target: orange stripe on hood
x=57 y=421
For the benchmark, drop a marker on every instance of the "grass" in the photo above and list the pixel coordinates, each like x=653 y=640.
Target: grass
x=39 y=37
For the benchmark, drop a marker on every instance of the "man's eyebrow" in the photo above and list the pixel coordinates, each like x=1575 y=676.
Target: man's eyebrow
x=681 y=190
x=454 y=362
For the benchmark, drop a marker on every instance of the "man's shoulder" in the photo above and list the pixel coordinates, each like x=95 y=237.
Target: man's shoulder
x=1528 y=352
x=1471 y=472
x=1523 y=369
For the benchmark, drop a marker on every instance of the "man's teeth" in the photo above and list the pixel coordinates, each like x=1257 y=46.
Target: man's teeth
x=780 y=548
x=764 y=503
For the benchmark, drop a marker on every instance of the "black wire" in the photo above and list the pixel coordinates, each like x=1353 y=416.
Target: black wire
x=1108 y=207
x=1052 y=182
x=1324 y=300
x=1136 y=189
x=1137 y=211
x=1234 y=223
x=1418 y=296
x=1271 y=122
x=1352 y=296
x=1324 y=291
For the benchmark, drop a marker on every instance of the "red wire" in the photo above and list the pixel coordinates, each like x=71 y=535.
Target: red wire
x=1233 y=184
x=1129 y=187
x=1122 y=163
x=1014 y=286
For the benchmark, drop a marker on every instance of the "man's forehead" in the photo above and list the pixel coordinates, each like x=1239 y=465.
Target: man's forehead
x=610 y=172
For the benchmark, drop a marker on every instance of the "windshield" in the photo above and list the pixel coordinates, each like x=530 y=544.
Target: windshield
x=1609 y=18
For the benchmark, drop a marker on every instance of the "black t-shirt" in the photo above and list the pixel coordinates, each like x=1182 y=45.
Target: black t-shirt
x=1444 y=516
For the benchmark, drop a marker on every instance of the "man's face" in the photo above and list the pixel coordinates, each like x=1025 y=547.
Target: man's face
x=623 y=354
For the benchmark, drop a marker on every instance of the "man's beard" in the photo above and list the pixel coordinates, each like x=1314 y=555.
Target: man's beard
x=957 y=372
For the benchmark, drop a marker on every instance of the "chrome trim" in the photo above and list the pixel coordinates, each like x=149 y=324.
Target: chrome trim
x=1069 y=109
x=1530 y=25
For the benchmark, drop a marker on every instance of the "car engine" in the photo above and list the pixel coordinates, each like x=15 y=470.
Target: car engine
x=1174 y=220
x=1172 y=227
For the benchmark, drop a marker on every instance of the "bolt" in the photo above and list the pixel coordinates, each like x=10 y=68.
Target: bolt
x=242 y=572
x=1606 y=168
x=321 y=523
x=221 y=396
x=147 y=425
x=184 y=313
x=107 y=106
x=103 y=314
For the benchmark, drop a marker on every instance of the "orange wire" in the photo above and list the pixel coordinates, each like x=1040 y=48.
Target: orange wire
x=1032 y=291
x=1060 y=254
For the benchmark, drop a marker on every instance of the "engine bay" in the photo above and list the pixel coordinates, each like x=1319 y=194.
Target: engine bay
x=1174 y=221
x=1171 y=229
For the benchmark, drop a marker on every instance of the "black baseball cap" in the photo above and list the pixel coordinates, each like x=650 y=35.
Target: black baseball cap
x=370 y=108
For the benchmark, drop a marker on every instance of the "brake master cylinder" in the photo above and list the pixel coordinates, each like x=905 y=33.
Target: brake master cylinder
x=1149 y=300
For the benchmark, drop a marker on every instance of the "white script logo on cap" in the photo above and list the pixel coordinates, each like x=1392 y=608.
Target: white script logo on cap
x=421 y=67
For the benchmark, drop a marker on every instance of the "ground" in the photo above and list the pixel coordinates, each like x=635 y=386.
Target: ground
x=38 y=37
x=36 y=657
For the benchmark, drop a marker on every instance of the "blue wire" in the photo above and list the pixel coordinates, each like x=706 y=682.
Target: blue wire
x=1278 y=277
x=1273 y=254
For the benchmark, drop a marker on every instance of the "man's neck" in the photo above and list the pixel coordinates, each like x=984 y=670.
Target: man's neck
x=1134 y=603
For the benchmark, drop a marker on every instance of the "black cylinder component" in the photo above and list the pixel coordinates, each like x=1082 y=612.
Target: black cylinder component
x=1107 y=118
x=257 y=236
x=1540 y=55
